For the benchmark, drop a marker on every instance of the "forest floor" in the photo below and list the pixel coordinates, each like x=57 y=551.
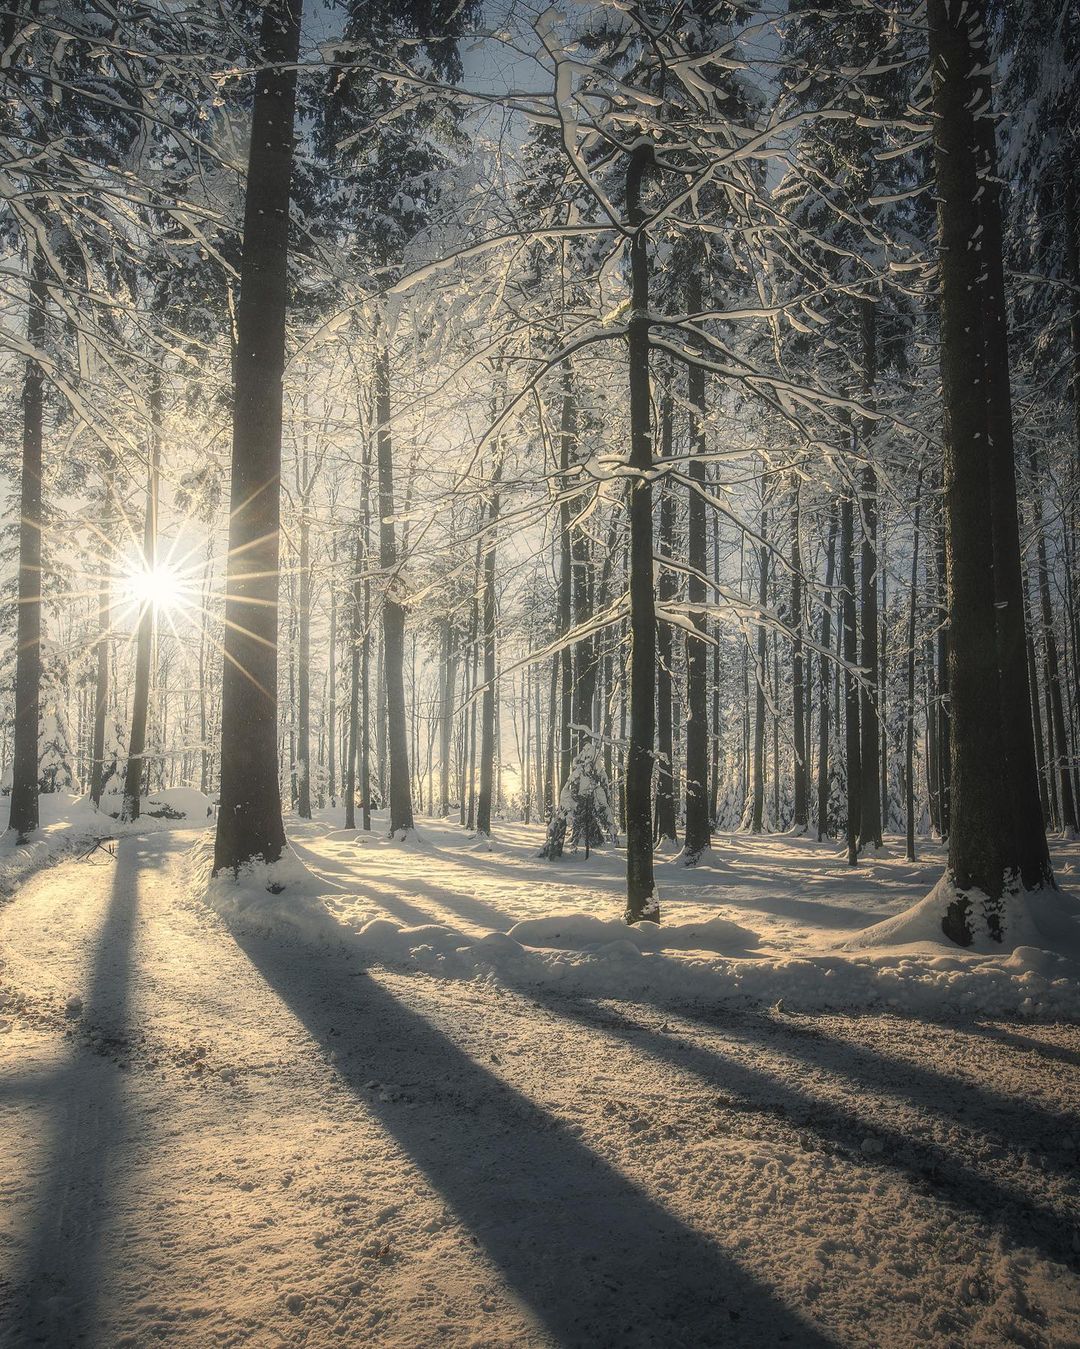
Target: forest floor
x=226 y=1133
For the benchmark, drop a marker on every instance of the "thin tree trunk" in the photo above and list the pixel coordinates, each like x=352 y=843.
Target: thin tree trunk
x=641 y=900
x=698 y=835
x=909 y=758
x=823 y=680
x=852 y=740
x=800 y=809
x=331 y=681
x=758 y=812
x=487 y=735
x=667 y=587
x=23 y=818
x=144 y=641
x=393 y=608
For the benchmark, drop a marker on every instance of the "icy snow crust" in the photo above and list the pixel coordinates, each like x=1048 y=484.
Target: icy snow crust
x=361 y=891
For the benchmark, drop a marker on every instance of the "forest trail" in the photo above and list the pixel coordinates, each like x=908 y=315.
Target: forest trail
x=213 y=1140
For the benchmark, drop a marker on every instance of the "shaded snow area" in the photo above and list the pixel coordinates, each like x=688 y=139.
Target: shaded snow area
x=359 y=1112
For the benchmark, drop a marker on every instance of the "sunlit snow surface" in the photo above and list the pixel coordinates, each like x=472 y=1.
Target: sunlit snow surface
x=309 y=1124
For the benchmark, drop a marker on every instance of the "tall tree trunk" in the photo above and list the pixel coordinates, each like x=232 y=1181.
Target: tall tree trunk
x=101 y=691
x=331 y=681
x=1029 y=854
x=249 y=823
x=758 y=811
x=979 y=825
x=823 y=680
x=800 y=815
x=667 y=588
x=393 y=608
x=852 y=739
x=303 y=728
x=567 y=438
x=641 y=900
x=354 y=689
x=1053 y=666
x=942 y=716
x=698 y=835
x=446 y=713
x=144 y=640
x=23 y=818
x=909 y=748
x=487 y=734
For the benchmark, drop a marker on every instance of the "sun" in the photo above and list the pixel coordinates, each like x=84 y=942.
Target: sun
x=161 y=586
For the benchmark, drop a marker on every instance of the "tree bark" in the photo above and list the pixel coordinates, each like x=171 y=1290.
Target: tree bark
x=144 y=640
x=909 y=748
x=698 y=835
x=23 y=818
x=393 y=607
x=979 y=822
x=667 y=587
x=758 y=810
x=249 y=819
x=800 y=809
x=823 y=681
x=487 y=733
x=852 y=738
x=641 y=899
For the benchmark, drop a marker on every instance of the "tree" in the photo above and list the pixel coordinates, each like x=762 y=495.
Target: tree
x=249 y=819
x=985 y=849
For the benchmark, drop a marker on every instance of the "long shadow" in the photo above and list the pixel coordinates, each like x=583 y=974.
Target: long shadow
x=465 y=906
x=593 y=1258
x=920 y=1084
x=1029 y=1043
x=1024 y=1220
x=56 y=1296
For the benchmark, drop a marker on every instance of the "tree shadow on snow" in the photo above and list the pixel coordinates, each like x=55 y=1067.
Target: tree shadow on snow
x=933 y=1167
x=594 y=1259
x=58 y=1287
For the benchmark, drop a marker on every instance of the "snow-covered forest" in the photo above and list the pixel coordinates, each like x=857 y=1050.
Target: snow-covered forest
x=540 y=680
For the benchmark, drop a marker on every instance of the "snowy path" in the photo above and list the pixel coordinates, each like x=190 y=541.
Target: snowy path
x=240 y=1141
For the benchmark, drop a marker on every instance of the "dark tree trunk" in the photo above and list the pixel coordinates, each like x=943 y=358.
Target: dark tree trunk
x=393 y=607
x=331 y=683
x=144 y=640
x=446 y=713
x=823 y=682
x=758 y=809
x=24 y=769
x=909 y=755
x=567 y=437
x=1029 y=853
x=941 y=710
x=667 y=587
x=698 y=835
x=249 y=821
x=354 y=690
x=1053 y=667
x=101 y=691
x=800 y=816
x=487 y=732
x=641 y=900
x=303 y=673
x=852 y=740
x=869 y=727
x=980 y=824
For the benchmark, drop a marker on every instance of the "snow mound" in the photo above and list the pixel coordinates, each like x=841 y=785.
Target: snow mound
x=186 y=802
x=265 y=898
x=583 y=931
x=1033 y=919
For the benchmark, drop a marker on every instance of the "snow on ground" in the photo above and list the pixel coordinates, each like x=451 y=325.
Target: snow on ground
x=222 y=1133
x=762 y=920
